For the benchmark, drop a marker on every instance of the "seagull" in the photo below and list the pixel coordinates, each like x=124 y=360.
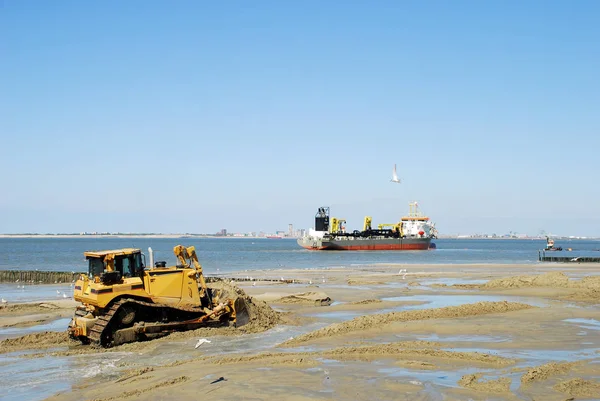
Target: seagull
x=201 y=341
x=4 y=301
x=58 y=292
x=254 y=284
x=395 y=176
x=403 y=272
x=310 y=282
x=64 y=295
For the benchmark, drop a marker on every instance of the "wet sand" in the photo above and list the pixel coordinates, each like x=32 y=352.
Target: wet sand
x=503 y=332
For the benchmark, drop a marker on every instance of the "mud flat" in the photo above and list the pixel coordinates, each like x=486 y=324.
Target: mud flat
x=470 y=332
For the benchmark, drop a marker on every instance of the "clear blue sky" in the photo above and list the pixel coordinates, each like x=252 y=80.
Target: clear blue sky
x=192 y=116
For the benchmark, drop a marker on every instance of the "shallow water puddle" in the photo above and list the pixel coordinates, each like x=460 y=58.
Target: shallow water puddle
x=590 y=324
x=38 y=378
x=451 y=281
x=536 y=356
x=27 y=292
x=427 y=302
x=443 y=300
x=55 y=325
x=461 y=338
x=440 y=377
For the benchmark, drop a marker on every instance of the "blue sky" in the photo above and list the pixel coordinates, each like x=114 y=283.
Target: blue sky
x=193 y=116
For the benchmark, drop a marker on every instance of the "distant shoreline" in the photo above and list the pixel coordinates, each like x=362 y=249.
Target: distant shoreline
x=187 y=236
x=184 y=236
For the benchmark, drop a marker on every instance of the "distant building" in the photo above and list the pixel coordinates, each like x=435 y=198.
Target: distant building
x=290 y=230
x=223 y=232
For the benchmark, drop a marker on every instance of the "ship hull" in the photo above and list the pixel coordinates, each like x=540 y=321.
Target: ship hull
x=366 y=244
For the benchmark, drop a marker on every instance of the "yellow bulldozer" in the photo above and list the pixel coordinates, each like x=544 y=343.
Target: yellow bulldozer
x=124 y=301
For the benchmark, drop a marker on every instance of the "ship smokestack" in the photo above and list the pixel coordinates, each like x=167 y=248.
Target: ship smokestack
x=322 y=219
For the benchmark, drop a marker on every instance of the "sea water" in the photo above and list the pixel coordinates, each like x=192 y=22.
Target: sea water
x=225 y=255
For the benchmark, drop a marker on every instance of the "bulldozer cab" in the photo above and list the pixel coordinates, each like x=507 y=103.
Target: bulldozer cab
x=119 y=263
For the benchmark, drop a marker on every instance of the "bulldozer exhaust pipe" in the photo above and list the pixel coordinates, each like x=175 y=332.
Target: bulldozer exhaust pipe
x=151 y=256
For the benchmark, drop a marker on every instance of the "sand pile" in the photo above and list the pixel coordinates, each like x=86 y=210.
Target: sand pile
x=373 y=321
x=367 y=302
x=579 y=388
x=542 y=372
x=307 y=298
x=552 y=279
x=499 y=385
x=36 y=340
x=366 y=281
x=586 y=289
x=262 y=316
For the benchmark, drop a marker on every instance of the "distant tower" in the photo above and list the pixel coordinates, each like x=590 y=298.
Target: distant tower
x=290 y=230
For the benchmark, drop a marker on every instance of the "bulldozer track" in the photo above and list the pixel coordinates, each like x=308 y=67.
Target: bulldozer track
x=101 y=332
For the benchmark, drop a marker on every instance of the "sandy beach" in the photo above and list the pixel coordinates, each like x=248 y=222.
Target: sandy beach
x=379 y=332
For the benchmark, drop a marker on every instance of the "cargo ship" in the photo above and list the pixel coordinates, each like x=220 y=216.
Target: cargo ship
x=413 y=232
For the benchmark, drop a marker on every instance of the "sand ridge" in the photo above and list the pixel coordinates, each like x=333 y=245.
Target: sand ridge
x=542 y=372
x=370 y=321
x=399 y=350
x=579 y=388
x=473 y=381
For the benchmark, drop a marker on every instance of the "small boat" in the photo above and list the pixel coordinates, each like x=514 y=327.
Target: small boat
x=550 y=245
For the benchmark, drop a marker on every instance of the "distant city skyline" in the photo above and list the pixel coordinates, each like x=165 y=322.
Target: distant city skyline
x=118 y=116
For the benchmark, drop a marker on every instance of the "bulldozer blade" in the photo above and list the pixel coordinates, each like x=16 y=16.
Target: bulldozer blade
x=242 y=316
